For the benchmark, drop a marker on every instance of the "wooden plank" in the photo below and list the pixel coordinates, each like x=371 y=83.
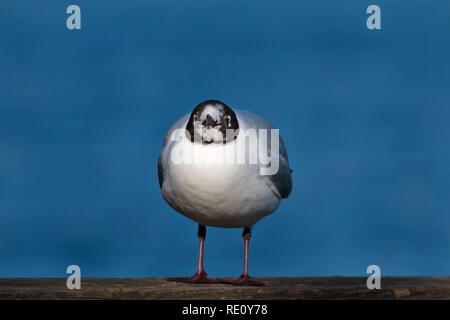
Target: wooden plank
x=276 y=288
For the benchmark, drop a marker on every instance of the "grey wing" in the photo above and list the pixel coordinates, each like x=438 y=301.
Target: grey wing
x=161 y=169
x=282 y=180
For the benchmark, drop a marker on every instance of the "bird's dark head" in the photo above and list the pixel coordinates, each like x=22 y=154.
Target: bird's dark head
x=212 y=121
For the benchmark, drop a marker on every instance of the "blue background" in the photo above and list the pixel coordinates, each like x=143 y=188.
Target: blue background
x=365 y=116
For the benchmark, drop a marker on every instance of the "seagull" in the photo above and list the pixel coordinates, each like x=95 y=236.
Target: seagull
x=201 y=178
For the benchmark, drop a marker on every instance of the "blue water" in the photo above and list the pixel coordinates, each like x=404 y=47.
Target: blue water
x=365 y=116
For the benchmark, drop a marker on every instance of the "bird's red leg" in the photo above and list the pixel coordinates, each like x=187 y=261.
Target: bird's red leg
x=200 y=276
x=245 y=279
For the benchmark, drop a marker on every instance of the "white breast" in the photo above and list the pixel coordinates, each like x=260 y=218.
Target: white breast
x=216 y=194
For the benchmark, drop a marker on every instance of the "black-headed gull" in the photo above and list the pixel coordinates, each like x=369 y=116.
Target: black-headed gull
x=223 y=168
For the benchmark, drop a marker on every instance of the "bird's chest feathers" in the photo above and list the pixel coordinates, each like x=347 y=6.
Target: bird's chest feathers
x=208 y=170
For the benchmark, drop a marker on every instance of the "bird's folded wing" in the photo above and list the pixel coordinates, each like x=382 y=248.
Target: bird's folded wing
x=282 y=180
x=177 y=125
